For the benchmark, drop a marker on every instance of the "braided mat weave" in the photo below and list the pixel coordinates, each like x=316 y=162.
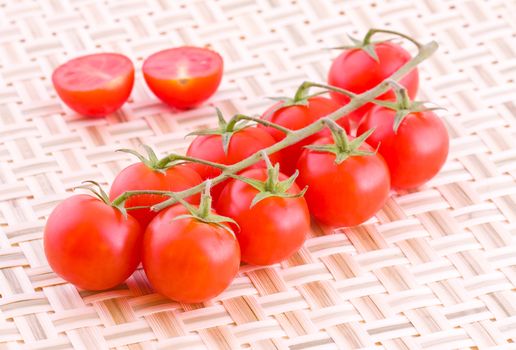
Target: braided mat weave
x=436 y=269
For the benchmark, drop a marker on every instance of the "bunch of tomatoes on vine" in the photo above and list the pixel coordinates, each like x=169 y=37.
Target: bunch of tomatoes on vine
x=246 y=190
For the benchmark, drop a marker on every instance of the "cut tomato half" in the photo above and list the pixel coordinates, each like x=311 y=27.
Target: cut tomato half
x=183 y=77
x=95 y=85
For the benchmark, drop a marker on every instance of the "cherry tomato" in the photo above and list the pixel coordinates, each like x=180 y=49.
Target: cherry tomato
x=271 y=230
x=188 y=260
x=416 y=152
x=243 y=144
x=183 y=77
x=95 y=85
x=356 y=71
x=345 y=194
x=139 y=176
x=296 y=117
x=91 y=244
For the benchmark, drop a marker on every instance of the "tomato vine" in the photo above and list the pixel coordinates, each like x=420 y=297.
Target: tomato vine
x=292 y=137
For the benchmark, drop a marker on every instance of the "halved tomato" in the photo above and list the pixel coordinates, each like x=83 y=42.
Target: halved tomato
x=95 y=85
x=183 y=77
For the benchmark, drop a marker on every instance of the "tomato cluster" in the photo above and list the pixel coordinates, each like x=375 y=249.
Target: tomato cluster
x=259 y=213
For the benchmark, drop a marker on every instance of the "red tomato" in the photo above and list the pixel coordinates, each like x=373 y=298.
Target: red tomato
x=356 y=71
x=139 y=176
x=271 y=230
x=345 y=194
x=296 y=117
x=416 y=152
x=91 y=244
x=243 y=144
x=183 y=77
x=95 y=85
x=188 y=260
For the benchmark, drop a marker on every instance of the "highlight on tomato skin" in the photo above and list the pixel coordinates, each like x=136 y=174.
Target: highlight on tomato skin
x=183 y=77
x=95 y=85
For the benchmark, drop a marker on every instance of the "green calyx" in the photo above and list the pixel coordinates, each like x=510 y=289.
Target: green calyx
x=97 y=190
x=342 y=147
x=151 y=161
x=226 y=129
x=203 y=212
x=368 y=45
x=119 y=202
x=403 y=105
x=300 y=98
x=272 y=186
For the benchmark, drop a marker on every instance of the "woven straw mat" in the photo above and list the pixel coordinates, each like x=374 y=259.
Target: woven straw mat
x=435 y=269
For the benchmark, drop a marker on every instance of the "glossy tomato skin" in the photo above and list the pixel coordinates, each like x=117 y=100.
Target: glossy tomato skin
x=356 y=71
x=140 y=177
x=183 y=77
x=346 y=194
x=91 y=244
x=187 y=260
x=270 y=231
x=297 y=117
x=416 y=152
x=95 y=96
x=243 y=144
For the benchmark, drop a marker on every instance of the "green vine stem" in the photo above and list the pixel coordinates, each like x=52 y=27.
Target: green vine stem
x=118 y=201
x=239 y=117
x=165 y=161
x=308 y=84
x=293 y=137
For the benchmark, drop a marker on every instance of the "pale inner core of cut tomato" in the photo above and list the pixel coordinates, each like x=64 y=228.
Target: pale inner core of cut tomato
x=93 y=72
x=182 y=64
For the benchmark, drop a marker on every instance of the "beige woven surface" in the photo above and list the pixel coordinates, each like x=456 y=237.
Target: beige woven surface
x=435 y=270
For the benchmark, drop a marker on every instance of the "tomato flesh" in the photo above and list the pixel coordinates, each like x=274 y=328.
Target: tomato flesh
x=95 y=85
x=183 y=77
x=354 y=70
